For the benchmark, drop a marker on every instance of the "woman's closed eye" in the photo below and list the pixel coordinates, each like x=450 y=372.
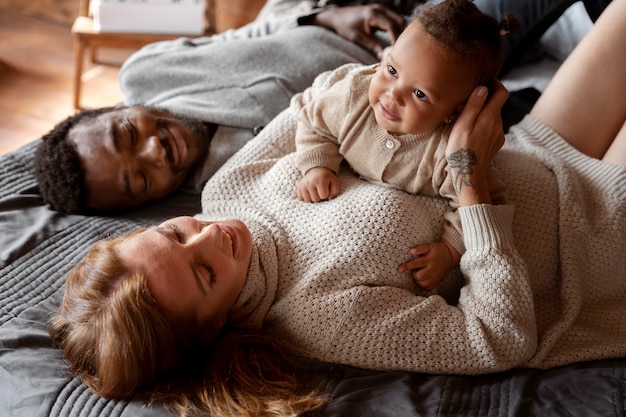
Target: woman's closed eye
x=209 y=273
x=203 y=274
x=176 y=231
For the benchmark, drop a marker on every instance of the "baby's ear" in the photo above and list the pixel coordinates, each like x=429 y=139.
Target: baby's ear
x=455 y=113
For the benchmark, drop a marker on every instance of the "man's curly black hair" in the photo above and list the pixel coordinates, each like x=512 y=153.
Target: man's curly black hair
x=60 y=176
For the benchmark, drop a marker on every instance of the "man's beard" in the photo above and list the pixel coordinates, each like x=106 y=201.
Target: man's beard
x=199 y=131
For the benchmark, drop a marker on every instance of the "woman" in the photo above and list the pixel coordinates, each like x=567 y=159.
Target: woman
x=320 y=280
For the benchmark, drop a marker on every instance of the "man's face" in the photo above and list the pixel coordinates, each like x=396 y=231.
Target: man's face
x=135 y=155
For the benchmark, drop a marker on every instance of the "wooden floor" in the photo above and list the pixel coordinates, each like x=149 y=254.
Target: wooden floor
x=35 y=78
x=36 y=66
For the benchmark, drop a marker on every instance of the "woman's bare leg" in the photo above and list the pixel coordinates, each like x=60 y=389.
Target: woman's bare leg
x=616 y=154
x=586 y=100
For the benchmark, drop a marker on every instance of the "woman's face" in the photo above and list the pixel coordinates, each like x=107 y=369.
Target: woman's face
x=194 y=269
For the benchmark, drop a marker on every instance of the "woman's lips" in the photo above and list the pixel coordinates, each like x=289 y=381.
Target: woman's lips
x=233 y=236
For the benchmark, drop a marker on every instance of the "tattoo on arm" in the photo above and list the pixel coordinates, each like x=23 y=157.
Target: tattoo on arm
x=462 y=163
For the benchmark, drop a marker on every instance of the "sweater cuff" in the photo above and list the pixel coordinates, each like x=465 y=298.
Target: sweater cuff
x=487 y=226
x=454 y=238
x=306 y=161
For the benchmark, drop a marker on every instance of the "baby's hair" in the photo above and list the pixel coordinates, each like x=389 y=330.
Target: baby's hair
x=474 y=35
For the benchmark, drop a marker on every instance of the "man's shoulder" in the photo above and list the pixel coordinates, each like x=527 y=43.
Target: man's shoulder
x=330 y=80
x=352 y=75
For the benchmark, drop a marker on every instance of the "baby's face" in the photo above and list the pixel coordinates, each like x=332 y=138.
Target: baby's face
x=419 y=84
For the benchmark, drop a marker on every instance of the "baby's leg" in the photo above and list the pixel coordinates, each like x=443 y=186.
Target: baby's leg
x=586 y=102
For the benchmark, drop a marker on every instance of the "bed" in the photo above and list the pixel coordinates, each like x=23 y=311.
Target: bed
x=39 y=246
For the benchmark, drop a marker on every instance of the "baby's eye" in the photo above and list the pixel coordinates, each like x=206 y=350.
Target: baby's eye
x=391 y=70
x=420 y=94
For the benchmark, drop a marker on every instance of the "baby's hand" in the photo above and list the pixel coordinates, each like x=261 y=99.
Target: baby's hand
x=318 y=184
x=431 y=262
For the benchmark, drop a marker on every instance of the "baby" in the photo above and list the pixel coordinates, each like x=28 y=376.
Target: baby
x=390 y=122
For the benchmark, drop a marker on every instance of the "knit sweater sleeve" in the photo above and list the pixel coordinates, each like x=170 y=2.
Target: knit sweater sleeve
x=491 y=329
x=453 y=232
x=319 y=126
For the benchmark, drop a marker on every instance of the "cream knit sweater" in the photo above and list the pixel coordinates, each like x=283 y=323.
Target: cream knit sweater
x=323 y=277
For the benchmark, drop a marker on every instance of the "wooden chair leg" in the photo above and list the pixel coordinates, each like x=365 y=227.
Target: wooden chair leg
x=79 y=50
x=92 y=55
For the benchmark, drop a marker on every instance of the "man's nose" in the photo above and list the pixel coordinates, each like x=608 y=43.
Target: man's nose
x=153 y=152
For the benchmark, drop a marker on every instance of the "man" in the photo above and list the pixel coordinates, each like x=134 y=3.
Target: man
x=228 y=88
x=235 y=83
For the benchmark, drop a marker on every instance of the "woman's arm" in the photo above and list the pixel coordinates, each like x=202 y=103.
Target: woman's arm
x=475 y=138
x=388 y=327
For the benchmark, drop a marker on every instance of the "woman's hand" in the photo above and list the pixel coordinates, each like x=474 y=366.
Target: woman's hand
x=474 y=140
x=359 y=23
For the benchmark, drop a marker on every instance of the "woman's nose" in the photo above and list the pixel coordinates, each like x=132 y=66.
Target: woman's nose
x=153 y=152
x=206 y=232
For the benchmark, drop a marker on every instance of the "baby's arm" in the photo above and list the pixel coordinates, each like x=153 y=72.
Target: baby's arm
x=317 y=152
x=320 y=123
x=431 y=262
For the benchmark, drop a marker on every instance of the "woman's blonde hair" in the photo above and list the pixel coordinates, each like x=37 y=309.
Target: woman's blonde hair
x=116 y=340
